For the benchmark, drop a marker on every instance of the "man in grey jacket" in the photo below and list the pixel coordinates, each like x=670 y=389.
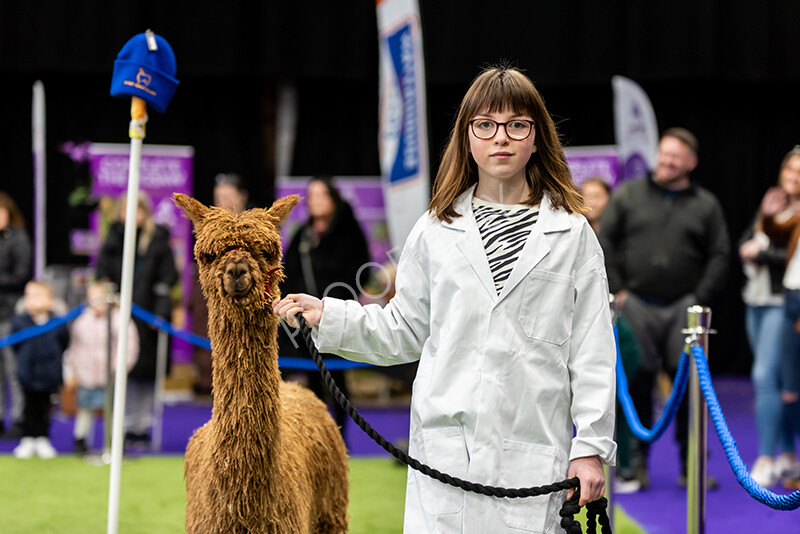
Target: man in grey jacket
x=666 y=245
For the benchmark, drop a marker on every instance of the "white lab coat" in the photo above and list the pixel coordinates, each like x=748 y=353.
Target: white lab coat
x=501 y=379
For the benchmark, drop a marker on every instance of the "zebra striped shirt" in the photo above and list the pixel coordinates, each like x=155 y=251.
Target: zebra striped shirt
x=504 y=230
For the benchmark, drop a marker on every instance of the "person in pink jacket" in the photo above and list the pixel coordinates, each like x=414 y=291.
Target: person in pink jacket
x=87 y=357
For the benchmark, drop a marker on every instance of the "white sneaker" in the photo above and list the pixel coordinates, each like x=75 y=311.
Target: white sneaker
x=786 y=464
x=25 y=449
x=44 y=449
x=763 y=471
x=623 y=486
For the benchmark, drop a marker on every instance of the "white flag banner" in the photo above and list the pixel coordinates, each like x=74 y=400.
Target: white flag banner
x=635 y=128
x=403 y=131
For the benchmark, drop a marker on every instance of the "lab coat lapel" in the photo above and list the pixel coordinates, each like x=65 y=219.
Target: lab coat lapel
x=470 y=243
x=536 y=246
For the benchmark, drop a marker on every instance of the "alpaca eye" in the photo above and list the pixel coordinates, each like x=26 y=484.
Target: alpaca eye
x=209 y=257
x=266 y=255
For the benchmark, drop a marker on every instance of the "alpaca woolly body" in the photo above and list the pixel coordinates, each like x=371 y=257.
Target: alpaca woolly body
x=271 y=459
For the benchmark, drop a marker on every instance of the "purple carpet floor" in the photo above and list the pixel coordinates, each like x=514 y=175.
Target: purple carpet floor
x=660 y=510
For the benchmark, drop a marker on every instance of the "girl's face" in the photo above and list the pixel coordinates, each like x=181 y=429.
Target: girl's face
x=4 y=217
x=96 y=297
x=501 y=157
x=320 y=203
x=790 y=177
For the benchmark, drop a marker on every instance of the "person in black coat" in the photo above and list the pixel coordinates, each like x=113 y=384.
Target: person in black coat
x=15 y=271
x=327 y=256
x=154 y=274
x=38 y=369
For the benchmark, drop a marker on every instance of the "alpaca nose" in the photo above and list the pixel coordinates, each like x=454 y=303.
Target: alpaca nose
x=237 y=278
x=236 y=271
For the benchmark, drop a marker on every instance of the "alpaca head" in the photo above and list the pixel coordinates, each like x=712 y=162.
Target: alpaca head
x=239 y=256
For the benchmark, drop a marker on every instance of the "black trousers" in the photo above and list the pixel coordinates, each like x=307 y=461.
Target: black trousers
x=658 y=330
x=36 y=415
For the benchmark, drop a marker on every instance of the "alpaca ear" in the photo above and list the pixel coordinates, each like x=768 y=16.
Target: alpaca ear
x=193 y=208
x=281 y=208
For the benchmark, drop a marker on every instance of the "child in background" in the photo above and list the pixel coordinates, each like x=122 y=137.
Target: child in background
x=87 y=356
x=38 y=369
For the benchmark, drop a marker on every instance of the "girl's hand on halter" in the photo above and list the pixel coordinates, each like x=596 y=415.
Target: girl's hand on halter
x=292 y=304
x=589 y=471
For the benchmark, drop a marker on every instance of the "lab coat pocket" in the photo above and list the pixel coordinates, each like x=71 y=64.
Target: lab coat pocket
x=446 y=451
x=548 y=304
x=526 y=465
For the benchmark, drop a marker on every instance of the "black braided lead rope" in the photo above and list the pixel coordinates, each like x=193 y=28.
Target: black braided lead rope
x=492 y=491
x=594 y=510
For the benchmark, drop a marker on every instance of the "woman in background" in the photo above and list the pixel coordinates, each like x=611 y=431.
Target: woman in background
x=326 y=257
x=154 y=274
x=15 y=271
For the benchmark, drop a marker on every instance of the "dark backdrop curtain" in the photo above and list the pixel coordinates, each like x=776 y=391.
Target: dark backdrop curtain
x=725 y=70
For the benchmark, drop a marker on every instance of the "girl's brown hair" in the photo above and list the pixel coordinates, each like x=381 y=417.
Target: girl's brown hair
x=15 y=218
x=495 y=89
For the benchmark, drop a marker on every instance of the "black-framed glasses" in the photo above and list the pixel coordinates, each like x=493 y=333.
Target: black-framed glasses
x=517 y=129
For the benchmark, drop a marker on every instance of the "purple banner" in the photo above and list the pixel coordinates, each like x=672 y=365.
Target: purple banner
x=593 y=162
x=164 y=170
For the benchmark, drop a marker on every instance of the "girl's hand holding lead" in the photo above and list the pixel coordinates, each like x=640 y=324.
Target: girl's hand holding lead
x=589 y=471
x=292 y=304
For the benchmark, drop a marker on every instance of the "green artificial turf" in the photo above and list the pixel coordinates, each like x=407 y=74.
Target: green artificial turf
x=68 y=495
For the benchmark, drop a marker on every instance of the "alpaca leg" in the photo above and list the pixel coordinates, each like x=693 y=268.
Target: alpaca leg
x=333 y=517
x=332 y=524
x=195 y=463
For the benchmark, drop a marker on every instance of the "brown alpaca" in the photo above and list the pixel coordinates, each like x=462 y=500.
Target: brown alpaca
x=271 y=459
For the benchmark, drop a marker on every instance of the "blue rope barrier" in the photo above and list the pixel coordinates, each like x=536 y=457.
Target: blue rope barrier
x=675 y=397
x=162 y=324
x=758 y=492
x=33 y=331
x=194 y=339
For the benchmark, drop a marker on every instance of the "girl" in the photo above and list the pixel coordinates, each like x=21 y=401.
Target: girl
x=87 y=358
x=502 y=296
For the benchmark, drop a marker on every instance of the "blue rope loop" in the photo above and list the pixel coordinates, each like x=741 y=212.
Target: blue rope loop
x=753 y=488
x=674 y=401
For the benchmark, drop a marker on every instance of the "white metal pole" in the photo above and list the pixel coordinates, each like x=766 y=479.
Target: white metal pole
x=126 y=293
x=40 y=180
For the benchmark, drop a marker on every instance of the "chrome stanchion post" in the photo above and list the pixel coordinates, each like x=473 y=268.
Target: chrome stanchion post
x=161 y=373
x=611 y=471
x=108 y=404
x=699 y=321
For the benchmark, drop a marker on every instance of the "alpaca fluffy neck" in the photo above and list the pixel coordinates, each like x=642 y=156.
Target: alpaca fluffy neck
x=247 y=411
